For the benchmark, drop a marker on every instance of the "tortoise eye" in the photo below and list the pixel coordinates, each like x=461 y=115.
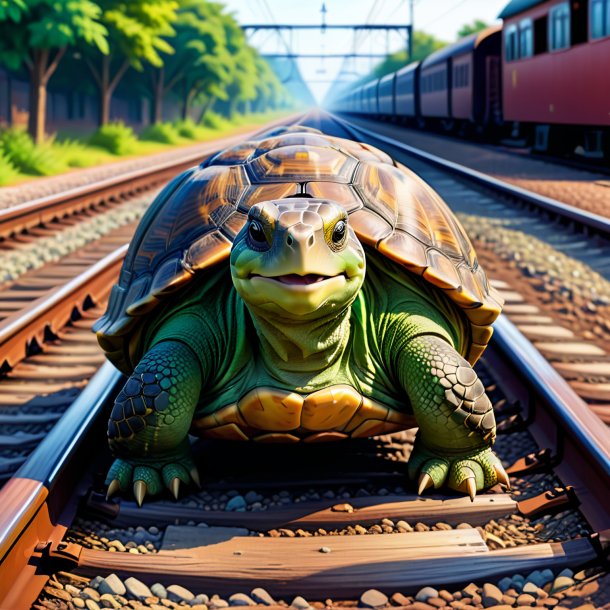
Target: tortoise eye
x=339 y=232
x=256 y=233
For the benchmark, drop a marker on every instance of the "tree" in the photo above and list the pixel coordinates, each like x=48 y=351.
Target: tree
x=472 y=28
x=423 y=45
x=243 y=85
x=36 y=34
x=268 y=88
x=201 y=62
x=137 y=32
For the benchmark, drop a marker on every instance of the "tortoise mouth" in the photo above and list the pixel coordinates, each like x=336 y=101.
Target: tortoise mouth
x=294 y=279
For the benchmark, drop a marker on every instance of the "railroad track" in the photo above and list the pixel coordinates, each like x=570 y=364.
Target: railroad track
x=567 y=323
x=335 y=523
x=326 y=522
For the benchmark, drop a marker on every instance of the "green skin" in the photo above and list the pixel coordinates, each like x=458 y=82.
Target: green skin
x=301 y=313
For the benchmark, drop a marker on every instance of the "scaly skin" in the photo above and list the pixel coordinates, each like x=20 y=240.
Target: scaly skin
x=299 y=316
x=455 y=418
x=149 y=423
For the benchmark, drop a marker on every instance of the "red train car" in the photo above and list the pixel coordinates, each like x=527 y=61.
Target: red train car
x=557 y=68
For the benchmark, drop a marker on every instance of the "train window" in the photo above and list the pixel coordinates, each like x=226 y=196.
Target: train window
x=526 y=38
x=541 y=35
x=600 y=18
x=579 y=22
x=460 y=76
x=511 y=48
x=559 y=27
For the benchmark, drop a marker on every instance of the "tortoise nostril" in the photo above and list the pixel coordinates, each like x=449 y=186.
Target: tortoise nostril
x=310 y=241
x=289 y=240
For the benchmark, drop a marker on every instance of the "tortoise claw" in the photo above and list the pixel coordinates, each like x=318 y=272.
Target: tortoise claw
x=139 y=491
x=469 y=486
x=425 y=482
x=195 y=477
x=175 y=487
x=502 y=476
x=113 y=488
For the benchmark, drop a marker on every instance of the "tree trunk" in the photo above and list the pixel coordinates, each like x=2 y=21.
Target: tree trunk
x=188 y=95
x=105 y=95
x=232 y=107
x=40 y=73
x=38 y=97
x=107 y=85
x=207 y=107
x=158 y=96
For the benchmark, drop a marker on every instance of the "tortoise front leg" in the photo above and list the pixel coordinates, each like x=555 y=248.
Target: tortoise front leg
x=455 y=417
x=150 y=420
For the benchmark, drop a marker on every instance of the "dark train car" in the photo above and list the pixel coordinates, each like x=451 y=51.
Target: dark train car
x=385 y=95
x=370 y=104
x=434 y=85
x=462 y=81
x=406 y=102
x=476 y=79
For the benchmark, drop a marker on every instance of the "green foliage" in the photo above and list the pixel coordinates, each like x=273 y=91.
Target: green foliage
x=472 y=28
x=212 y=120
x=202 y=50
x=165 y=133
x=138 y=29
x=190 y=130
x=19 y=149
x=47 y=24
x=8 y=173
x=73 y=153
x=117 y=138
x=423 y=45
x=12 y=10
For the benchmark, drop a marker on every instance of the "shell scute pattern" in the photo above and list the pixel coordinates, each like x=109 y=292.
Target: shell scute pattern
x=301 y=163
x=192 y=224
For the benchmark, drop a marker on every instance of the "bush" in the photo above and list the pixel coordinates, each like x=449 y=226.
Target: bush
x=76 y=154
x=165 y=133
x=190 y=130
x=20 y=151
x=215 y=121
x=117 y=138
x=7 y=170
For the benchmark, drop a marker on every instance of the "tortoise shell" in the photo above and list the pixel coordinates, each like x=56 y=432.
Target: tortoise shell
x=192 y=223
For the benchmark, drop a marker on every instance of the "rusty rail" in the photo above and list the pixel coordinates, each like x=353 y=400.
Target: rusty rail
x=53 y=310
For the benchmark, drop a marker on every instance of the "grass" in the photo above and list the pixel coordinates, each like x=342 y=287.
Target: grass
x=21 y=160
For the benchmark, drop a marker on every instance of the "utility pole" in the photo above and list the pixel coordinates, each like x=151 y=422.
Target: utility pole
x=410 y=49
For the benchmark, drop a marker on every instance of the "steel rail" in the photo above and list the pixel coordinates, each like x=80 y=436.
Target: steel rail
x=579 y=437
x=35 y=501
x=588 y=220
x=54 y=309
x=46 y=209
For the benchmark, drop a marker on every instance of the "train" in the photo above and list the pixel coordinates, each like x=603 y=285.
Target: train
x=542 y=78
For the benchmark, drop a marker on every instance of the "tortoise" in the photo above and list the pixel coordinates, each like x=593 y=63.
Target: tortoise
x=299 y=288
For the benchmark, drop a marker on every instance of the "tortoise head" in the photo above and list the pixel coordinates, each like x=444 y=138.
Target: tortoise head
x=298 y=258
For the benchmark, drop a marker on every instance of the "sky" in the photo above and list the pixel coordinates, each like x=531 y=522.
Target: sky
x=443 y=18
